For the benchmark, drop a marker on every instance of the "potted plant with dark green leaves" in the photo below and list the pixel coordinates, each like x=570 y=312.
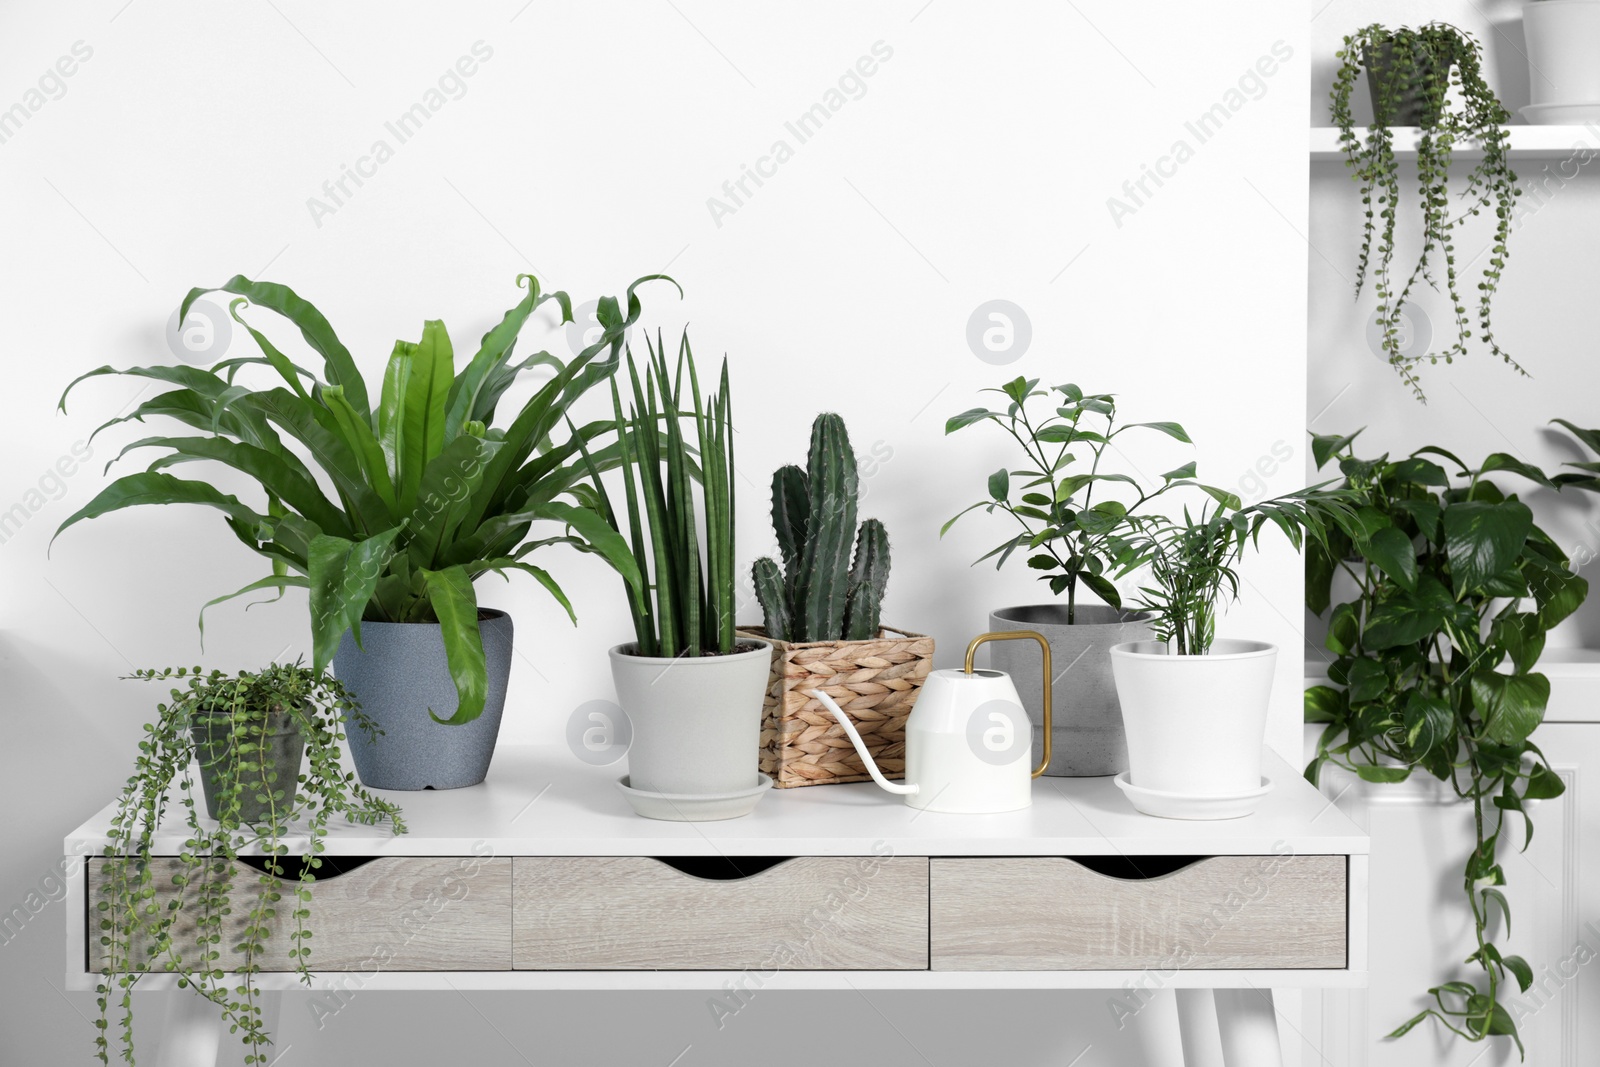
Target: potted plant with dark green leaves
x=1563 y=38
x=408 y=494
x=1455 y=589
x=822 y=612
x=689 y=683
x=1068 y=506
x=1431 y=78
x=209 y=914
x=1195 y=705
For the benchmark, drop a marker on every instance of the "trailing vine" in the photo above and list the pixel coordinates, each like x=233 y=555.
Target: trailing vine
x=1457 y=588
x=164 y=915
x=1433 y=76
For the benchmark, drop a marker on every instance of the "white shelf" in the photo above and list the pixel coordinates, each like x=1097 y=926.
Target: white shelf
x=541 y=801
x=1527 y=142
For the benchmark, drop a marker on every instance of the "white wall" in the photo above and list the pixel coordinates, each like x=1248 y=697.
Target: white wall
x=1475 y=406
x=977 y=164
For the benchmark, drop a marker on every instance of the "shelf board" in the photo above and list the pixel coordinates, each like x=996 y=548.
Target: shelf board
x=1527 y=142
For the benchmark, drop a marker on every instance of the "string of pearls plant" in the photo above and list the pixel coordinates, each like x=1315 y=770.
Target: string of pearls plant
x=181 y=916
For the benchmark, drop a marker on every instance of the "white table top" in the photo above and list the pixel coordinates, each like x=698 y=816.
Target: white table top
x=541 y=801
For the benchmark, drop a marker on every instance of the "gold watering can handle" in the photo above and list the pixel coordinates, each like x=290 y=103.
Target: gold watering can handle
x=1044 y=647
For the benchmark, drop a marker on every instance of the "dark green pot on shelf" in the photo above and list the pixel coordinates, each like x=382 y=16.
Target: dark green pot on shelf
x=1410 y=109
x=280 y=746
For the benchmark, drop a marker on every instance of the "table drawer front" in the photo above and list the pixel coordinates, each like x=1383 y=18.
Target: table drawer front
x=1223 y=912
x=635 y=913
x=446 y=913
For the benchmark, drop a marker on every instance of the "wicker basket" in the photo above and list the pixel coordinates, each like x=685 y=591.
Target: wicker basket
x=874 y=682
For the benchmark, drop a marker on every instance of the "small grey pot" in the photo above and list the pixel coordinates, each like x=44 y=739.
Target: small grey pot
x=1087 y=739
x=401 y=675
x=696 y=719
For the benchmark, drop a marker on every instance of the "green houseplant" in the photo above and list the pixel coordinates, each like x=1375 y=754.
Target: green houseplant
x=822 y=611
x=1067 y=504
x=426 y=496
x=1411 y=73
x=1195 y=705
x=1456 y=588
x=690 y=685
x=189 y=914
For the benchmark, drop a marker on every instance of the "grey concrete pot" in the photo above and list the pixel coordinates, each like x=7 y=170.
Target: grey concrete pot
x=696 y=719
x=1088 y=739
x=397 y=679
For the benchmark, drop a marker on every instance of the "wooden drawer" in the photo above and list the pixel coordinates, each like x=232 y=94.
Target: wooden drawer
x=633 y=913
x=399 y=913
x=1050 y=913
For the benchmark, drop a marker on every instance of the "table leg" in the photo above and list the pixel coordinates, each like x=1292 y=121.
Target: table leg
x=1197 y=1027
x=1248 y=1025
x=192 y=1032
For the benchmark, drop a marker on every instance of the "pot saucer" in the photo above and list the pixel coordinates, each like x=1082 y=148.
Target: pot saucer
x=694 y=807
x=1166 y=805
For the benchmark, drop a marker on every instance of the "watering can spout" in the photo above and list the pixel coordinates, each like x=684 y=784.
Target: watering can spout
x=907 y=789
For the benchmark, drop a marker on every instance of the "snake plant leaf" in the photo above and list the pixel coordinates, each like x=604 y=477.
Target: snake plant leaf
x=134 y=490
x=455 y=605
x=339 y=367
x=343 y=575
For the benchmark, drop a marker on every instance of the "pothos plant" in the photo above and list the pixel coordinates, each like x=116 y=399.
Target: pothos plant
x=1065 y=527
x=181 y=914
x=1456 y=589
x=1431 y=76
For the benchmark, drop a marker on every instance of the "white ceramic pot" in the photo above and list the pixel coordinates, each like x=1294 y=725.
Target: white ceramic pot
x=1195 y=724
x=1563 y=38
x=696 y=719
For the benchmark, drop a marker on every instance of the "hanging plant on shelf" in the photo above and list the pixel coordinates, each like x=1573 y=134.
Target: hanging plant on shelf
x=1432 y=78
x=1457 y=588
x=186 y=914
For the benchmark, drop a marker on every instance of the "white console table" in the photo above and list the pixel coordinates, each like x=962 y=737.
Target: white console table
x=542 y=878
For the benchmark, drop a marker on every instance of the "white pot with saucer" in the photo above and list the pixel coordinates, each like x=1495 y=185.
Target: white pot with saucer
x=1195 y=727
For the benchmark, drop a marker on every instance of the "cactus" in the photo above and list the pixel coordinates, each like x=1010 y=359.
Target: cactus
x=774 y=597
x=824 y=575
x=791 y=511
x=818 y=595
x=869 y=577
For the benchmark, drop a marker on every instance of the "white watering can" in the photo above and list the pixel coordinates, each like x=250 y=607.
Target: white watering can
x=967 y=740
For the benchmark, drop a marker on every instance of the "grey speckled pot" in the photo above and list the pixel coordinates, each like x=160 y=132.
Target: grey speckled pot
x=696 y=719
x=399 y=677
x=1087 y=740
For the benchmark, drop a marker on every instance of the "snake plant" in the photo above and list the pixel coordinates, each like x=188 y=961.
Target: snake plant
x=426 y=495
x=819 y=594
x=691 y=610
